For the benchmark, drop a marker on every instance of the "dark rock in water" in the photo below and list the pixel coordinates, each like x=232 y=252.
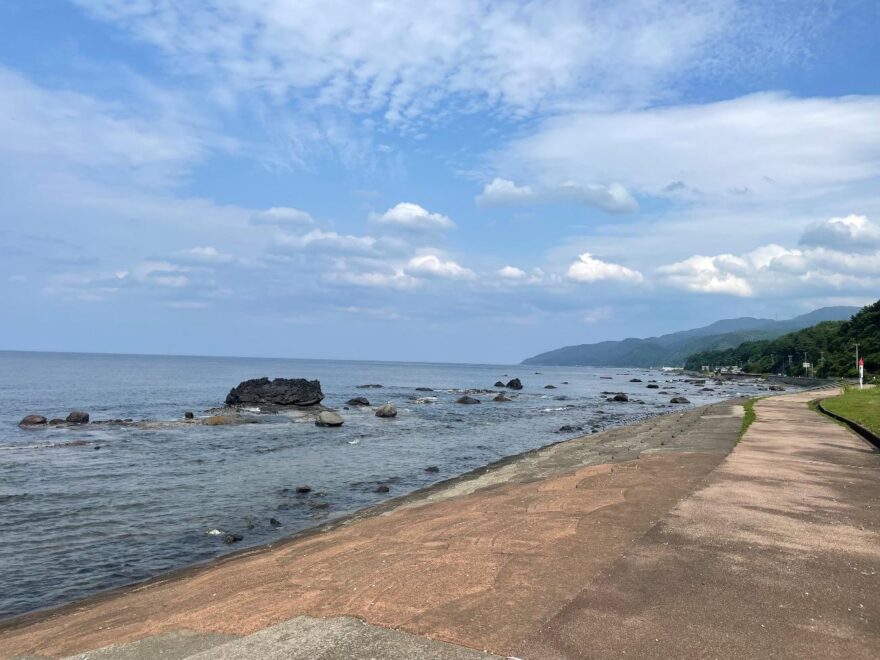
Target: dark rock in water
x=382 y=488
x=387 y=410
x=78 y=417
x=565 y=382
x=57 y=421
x=679 y=399
x=370 y=386
x=569 y=428
x=549 y=387
x=274 y=522
x=663 y=392
x=561 y=397
x=188 y=415
x=358 y=401
x=432 y=469
x=635 y=380
x=467 y=400
x=32 y=420
x=707 y=389
x=605 y=377
x=278 y=392
x=653 y=386
x=776 y=388
x=302 y=490
x=501 y=398
x=498 y=383
x=424 y=389
x=233 y=538
x=514 y=384
x=220 y=420
x=620 y=396
x=328 y=418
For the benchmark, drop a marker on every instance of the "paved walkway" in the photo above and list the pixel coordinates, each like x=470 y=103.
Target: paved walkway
x=773 y=551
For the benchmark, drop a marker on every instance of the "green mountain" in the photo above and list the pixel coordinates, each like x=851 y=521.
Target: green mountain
x=831 y=346
x=674 y=349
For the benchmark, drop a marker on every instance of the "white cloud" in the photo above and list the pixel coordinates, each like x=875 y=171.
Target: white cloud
x=281 y=216
x=413 y=216
x=853 y=232
x=430 y=265
x=325 y=241
x=705 y=275
x=613 y=198
x=754 y=147
x=206 y=255
x=589 y=269
x=404 y=60
x=512 y=273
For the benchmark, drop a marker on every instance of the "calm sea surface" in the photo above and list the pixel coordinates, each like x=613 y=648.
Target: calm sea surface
x=85 y=509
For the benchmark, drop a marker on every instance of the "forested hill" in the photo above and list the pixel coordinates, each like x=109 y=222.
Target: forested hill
x=673 y=349
x=831 y=346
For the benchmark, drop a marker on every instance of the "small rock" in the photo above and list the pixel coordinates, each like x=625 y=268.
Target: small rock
x=387 y=410
x=328 y=418
x=32 y=420
x=549 y=387
x=187 y=415
x=302 y=490
x=467 y=400
x=776 y=388
x=424 y=389
x=57 y=421
x=635 y=380
x=569 y=428
x=498 y=383
x=679 y=399
x=274 y=522
x=370 y=386
x=514 y=384
x=382 y=488
x=501 y=398
x=620 y=396
x=358 y=401
x=233 y=538
x=432 y=469
x=78 y=417
x=653 y=386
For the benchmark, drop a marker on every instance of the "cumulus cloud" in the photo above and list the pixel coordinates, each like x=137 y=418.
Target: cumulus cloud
x=706 y=275
x=588 y=269
x=432 y=266
x=512 y=273
x=853 y=232
x=613 y=198
x=281 y=216
x=412 y=216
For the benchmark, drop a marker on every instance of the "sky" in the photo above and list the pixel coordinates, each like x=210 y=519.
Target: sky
x=451 y=180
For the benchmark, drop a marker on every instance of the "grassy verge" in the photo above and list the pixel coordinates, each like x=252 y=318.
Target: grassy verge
x=862 y=406
x=748 y=418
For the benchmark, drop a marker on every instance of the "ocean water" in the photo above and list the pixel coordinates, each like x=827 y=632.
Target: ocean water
x=88 y=508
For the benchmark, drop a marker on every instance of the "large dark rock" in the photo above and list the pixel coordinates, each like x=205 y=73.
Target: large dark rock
x=653 y=386
x=358 y=401
x=620 y=396
x=467 y=400
x=514 y=384
x=278 y=392
x=679 y=399
x=78 y=417
x=33 y=420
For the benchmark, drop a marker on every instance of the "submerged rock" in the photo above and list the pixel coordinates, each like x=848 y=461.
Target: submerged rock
x=679 y=399
x=78 y=417
x=33 y=420
x=387 y=410
x=467 y=400
x=653 y=386
x=569 y=428
x=278 y=392
x=776 y=388
x=57 y=421
x=233 y=538
x=424 y=389
x=188 y=415
x=382 y=488
x=328 y=418
x=514 y=384
x=501 y=398
x=620 y=396
x=220 y=420
x=432 y=469
x=358 y=401
x=370 y=386
x=274 y=522
x=549 y=387
x=635 y=380
x=302 y=490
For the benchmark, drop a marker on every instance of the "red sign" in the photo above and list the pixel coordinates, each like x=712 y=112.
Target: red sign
x=861 y=362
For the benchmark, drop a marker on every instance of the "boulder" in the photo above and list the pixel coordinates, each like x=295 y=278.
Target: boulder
x=78 y=417
x=432 y=469
x=514 y=384
x=328 y=418
x=358 y=401
x=776 y=388
x=220 y=420
x=278 y=392
x=233 y=538
x=382 y=488
x=498 y=383
x=679 y=399
x=387 y=410
x=653 y=386
x=33 y=420
x=467 y=400
x=501 y=398
x=620 y=396
x=188 y=415
x=274 y=522
x=569 y=428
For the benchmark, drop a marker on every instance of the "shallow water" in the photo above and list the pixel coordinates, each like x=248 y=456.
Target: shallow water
x=85 y=509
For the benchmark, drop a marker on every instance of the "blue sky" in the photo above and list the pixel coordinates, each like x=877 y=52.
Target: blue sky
x=439 y=181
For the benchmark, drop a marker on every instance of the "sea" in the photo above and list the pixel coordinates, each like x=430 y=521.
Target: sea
x=88 y=508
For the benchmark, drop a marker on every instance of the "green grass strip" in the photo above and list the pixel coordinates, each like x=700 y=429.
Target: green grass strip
x=749 y=417
x=861 y=406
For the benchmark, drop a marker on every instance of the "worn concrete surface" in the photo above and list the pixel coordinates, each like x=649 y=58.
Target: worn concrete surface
x=481 y=562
